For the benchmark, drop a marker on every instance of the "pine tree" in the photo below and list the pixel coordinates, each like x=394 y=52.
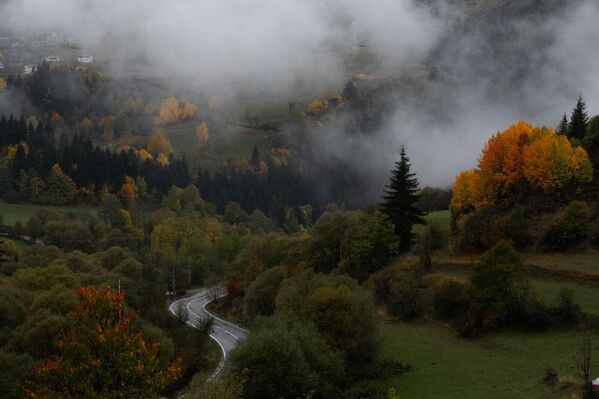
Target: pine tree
x=578 y=121
x=563 y=126
x=399 y=199
x=255 y=159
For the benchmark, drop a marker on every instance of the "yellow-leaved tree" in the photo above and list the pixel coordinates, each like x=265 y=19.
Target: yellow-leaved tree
x=202 y=133
x=159 y=144
x=169 y=111
x=188 y=111
x=522 y=157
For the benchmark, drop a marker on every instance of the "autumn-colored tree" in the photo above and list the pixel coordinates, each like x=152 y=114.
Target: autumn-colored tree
x=211 y=230
x=159 y=144
x=551 y=163
x=202 y=133
x=521 y=157
x=169 y=111
x=141 y=188
x=2 y=84
x=172 y=237
x=56 y=119
x=124 y=219
x=128 y=192
x=281 y=156
x=144 y=155
x=162 y=160
x=101 y=355
x=465 y=191
x=188 y=111
x=316 y=106
x=61 y=189
x=501 y=162
x=32 y=122
x=36 y=187
x=86 y=127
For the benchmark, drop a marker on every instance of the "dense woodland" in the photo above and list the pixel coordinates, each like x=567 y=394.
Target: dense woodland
x=316 y=263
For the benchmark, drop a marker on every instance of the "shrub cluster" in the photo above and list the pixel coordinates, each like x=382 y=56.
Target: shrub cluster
x=498 y=295
x=569 y=228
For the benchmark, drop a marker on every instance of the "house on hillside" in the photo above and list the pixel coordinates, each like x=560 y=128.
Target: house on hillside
x=86 y=59
x=52 y=58
x=29 y=69
x=363 y=39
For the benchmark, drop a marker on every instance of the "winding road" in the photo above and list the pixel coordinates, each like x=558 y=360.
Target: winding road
x=226 y=334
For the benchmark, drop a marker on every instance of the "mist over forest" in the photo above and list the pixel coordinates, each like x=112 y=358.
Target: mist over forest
x=266 y=199
x=458 y=73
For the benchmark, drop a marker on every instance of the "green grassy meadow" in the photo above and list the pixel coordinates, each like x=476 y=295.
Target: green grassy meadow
x=443 y=218
x=12 y=213
x=225 y=142
x=586 y=294
x=505 y=365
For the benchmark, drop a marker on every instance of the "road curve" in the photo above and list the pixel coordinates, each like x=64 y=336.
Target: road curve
x=226 y=334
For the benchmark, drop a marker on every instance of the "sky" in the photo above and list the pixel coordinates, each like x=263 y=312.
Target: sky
x=274 y=46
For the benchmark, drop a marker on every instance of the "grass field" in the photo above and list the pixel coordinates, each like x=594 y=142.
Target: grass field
x=227 y=142
x=12 y=213
x=442 y=218
x=547 y=289
x=586 y=263
x=500 y=366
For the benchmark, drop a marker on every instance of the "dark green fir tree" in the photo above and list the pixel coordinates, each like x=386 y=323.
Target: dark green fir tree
x=255 y=159
x=578 y=121
x=563 y=126
x=399 y=199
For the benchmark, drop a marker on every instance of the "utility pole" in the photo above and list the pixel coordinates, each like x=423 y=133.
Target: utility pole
x=120 y=305
x=189 y=269
x=174 y=277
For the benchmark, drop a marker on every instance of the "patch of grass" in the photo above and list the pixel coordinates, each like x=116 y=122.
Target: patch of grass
x=547 y=289
x=12 y=213
x=501 y=366
x=586 y=263
x=584 y=294
x=226 y=141
x=443 y=218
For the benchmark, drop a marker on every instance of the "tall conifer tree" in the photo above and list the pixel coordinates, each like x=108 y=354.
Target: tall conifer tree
x=578 y=121
x=399 y=199
x=563 y=126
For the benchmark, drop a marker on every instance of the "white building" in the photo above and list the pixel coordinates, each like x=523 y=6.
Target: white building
x=29 y=69
x=86 y=59
x=1 y=66
x=52 y=58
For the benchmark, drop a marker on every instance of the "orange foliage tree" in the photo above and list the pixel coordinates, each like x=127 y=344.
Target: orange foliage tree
x=188 y=111
x=159 y=144
x=169 y=111
x=521 y=157
x=128 y=193
x=101 y=356
x=172 y=112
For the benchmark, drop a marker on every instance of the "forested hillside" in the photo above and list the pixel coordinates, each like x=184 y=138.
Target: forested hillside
x=382 y=200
